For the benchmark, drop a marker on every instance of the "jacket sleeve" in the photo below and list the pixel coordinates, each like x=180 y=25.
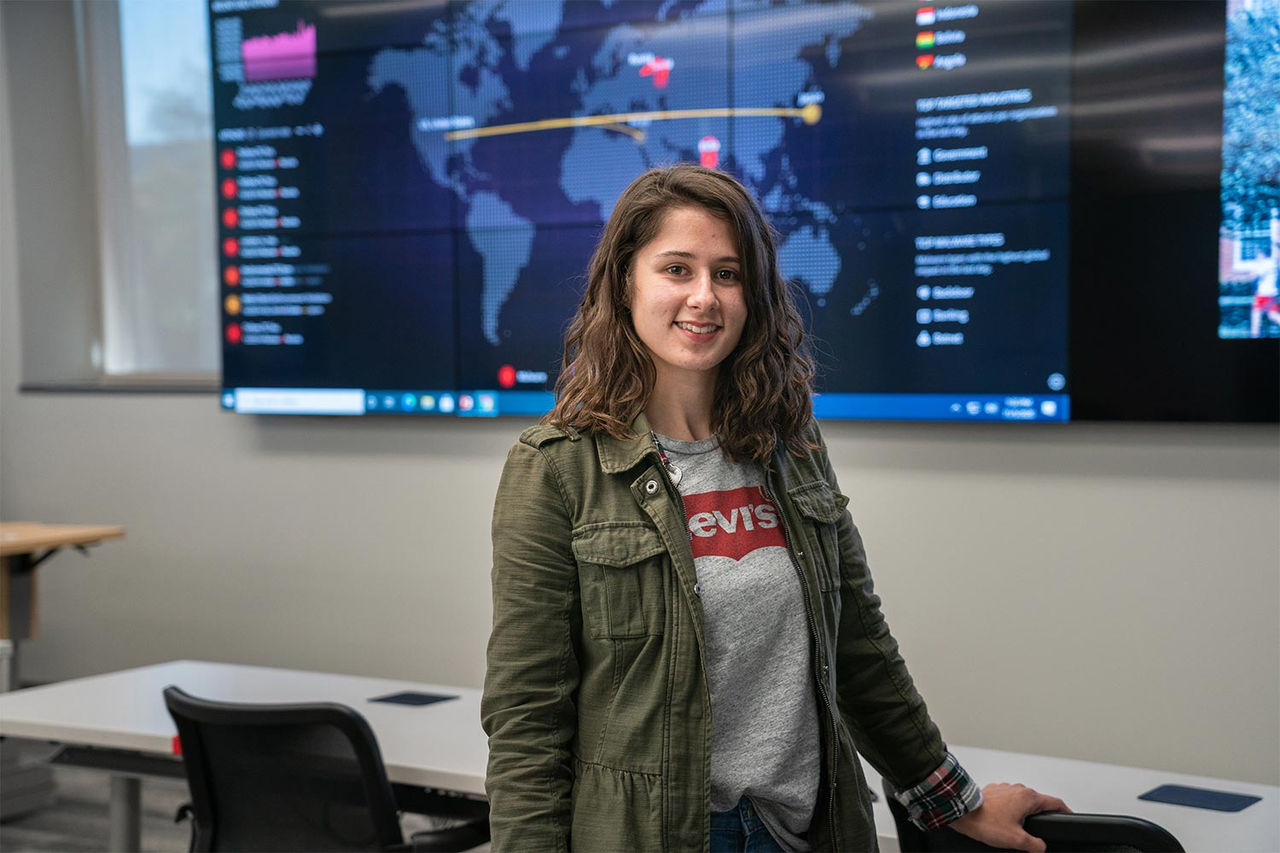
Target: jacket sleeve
x=531 y=679
x=878 y=700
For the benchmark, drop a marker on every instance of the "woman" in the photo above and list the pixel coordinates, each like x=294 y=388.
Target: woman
x=686 y=648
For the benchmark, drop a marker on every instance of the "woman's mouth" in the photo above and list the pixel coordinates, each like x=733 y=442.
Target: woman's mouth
x=698 y=329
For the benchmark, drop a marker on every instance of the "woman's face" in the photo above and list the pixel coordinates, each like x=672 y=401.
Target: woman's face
x=687 y=299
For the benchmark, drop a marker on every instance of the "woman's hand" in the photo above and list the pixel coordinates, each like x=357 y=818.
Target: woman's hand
x=998 y=821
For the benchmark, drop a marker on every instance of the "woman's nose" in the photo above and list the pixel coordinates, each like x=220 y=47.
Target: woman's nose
x=703 y=293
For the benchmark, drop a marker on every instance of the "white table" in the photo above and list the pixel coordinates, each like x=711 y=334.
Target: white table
x=441 y=748
x=122 y=717
x=1088 y=786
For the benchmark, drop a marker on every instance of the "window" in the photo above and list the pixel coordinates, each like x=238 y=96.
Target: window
x=147 y=69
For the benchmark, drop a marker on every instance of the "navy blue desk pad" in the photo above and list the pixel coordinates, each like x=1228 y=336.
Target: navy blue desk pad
x=1199 y=798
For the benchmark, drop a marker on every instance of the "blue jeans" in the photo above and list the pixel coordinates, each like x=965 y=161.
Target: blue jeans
x=740 y=830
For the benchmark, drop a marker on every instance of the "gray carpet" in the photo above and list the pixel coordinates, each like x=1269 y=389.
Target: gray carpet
x=77 y=820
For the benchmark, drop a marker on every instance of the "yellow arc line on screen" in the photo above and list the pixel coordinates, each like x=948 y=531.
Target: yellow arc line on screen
x=811 y=114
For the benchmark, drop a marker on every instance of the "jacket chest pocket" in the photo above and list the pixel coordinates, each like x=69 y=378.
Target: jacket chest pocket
x=821 y=508
x=622 y=570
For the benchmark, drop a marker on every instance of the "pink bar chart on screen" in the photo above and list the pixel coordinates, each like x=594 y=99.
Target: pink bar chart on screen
x=284 y=56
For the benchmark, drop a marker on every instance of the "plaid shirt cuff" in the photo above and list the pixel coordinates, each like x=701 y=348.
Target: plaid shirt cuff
x=948 y=793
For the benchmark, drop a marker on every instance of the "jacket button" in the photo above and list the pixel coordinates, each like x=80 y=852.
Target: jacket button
x=651 y=487
x=697 y=589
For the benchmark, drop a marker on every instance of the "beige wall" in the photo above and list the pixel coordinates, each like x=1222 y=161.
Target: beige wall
x=1107 y=592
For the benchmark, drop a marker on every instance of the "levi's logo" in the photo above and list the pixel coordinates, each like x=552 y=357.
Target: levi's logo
x=732 y=523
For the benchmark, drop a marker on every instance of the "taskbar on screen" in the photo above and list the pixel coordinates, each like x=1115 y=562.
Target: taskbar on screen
x=488 y=404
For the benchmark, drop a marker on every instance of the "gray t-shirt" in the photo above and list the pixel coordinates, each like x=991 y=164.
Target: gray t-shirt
x=764 y=718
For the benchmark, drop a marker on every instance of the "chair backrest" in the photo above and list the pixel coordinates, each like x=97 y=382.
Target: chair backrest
x=1061 y=832
x=283 y=777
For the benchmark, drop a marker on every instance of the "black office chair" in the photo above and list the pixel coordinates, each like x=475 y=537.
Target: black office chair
x=1062 y=832
x=306 y=777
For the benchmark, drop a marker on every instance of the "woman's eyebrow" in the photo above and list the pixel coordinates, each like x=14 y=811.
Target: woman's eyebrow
x=674 y=253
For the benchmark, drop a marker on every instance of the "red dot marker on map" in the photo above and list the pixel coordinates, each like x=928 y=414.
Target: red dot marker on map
x=228 y=188
x=709 y=151
x=234 y=333
x=231 y=247
x=227 y=158
x=230 y=218
x=659 y=69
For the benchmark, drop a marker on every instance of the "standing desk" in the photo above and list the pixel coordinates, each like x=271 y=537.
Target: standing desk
x=24 y=545
x=118 y=722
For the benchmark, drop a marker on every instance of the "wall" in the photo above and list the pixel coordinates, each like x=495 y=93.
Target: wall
x=1105 y=592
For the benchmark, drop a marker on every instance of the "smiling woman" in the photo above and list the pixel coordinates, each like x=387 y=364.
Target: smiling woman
x=686 y=648
x=687 y=303
x=712 y=228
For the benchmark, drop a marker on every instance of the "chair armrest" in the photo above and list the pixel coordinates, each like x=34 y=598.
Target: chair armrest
x=1102 y=829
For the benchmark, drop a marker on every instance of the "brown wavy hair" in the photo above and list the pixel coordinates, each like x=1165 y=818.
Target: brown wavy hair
x=763 y=389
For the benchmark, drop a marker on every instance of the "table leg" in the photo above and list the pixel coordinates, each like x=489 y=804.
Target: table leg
x=125 y=833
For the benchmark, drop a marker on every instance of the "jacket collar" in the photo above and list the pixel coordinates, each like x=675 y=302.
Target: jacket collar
x=623 y=454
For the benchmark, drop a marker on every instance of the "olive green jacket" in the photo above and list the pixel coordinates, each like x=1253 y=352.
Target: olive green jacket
x=595 y=699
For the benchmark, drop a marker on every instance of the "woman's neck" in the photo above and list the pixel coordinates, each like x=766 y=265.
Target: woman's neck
x=681 y=410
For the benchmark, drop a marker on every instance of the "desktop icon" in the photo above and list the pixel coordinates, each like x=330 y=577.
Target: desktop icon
x=446 y=403
x=409 y=402
x=1049 y=408
x=507 y=376
x=427 y=403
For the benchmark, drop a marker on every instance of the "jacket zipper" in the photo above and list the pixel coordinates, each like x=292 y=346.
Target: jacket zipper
x=684 y=522
x=666 y=476
x=822 y=682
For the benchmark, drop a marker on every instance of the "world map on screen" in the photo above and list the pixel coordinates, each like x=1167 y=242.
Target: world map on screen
x=492 y=85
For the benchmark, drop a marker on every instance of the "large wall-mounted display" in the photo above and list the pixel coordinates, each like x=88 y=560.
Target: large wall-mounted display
x=409 y=191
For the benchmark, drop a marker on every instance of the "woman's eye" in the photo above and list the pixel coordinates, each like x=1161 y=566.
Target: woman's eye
x=675 y=269
x=728 y=275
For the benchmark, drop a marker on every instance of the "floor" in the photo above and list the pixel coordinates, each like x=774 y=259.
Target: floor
x=77 y=820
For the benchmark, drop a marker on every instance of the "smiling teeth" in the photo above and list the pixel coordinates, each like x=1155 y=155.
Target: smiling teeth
x=697 y=330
